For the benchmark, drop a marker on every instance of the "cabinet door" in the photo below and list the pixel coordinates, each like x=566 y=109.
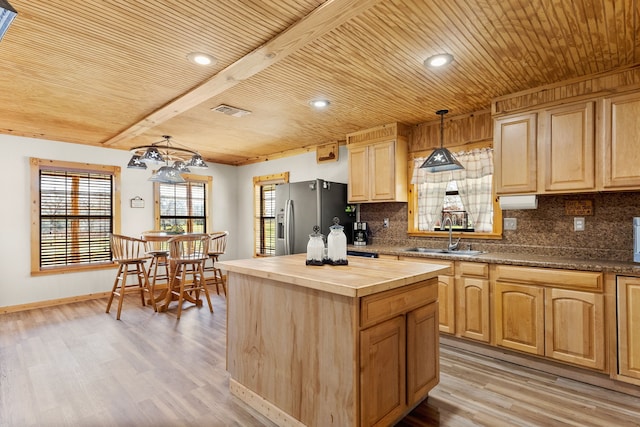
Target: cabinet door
x=621 y=142
x=575 y=327
x=473 y=309
x=383 y=372
x=520 y=317
x=382 y=163
x=515 y=154
x=422 y=352
x=566 y=145
x=628 y=327
x=358 y=188
x=446 y=301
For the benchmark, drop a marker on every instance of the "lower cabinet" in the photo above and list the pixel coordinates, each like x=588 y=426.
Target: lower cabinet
x=519 y=317
x=628 y=294
x=575 y=331
x=472 y=301
x=547 y=320
x=446 y=293
x=383 y=372
x=399 y=355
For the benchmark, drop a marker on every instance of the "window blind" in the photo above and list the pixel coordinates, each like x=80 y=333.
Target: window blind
x=268 y=220
x=76 y=217
x=183 y=207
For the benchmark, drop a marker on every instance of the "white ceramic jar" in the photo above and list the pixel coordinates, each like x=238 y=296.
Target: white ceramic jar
x=337 y=244
x=315 y=247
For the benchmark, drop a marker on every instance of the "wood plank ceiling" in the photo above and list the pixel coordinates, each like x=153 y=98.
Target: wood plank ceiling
x=114 y=72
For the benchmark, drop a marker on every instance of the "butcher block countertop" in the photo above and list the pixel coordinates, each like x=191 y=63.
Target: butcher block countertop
x=363 y=276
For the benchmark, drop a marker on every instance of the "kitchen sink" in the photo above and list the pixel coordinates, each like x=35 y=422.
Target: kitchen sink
x=444 y=251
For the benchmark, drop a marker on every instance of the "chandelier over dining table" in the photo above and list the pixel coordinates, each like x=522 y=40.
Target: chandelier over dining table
x=175 y=158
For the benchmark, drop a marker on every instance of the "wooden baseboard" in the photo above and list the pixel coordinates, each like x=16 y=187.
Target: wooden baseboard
x=551 y=367
x=53 y=302
x=262 y=405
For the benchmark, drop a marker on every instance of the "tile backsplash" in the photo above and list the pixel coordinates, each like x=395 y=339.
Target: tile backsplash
x=547 y=230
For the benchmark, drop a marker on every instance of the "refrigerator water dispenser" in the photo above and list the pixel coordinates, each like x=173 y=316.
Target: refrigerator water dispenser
x=636 y=239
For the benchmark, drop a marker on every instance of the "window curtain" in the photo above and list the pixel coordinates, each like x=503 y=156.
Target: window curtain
x=431 y=190
x=474 y=182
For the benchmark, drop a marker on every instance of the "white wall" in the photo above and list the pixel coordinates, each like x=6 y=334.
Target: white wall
x=301 y=168
x=17 y=286
x=231 y=209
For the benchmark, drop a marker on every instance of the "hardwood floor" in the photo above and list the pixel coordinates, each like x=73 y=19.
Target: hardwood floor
x=74 y=365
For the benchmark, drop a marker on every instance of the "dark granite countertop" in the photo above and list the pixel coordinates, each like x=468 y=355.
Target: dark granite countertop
x=567 y=263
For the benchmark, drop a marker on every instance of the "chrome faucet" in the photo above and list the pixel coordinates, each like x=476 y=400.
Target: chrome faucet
x=452 y=246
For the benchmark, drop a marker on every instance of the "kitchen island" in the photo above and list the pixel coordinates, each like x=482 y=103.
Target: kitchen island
x=353 y=345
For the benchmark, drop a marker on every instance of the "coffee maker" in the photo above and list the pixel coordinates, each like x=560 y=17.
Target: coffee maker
x=360 y=233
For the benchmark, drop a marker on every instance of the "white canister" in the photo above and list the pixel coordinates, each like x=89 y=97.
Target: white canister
x=337 y=244
x=315 y=248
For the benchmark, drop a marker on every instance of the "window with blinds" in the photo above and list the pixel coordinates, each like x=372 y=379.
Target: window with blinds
x=267 y=225
x=183 y=207
x=264 y=202
x=73 y=215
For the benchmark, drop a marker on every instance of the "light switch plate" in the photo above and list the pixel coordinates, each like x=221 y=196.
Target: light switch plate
x=578 y=224
x=510 y=223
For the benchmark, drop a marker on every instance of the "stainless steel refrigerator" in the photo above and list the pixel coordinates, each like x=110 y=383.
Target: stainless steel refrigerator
x=301 y=205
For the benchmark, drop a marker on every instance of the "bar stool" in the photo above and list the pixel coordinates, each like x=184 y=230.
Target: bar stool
x=158 y=270
x=187 y=254
x=217 y=247
x=130 y=254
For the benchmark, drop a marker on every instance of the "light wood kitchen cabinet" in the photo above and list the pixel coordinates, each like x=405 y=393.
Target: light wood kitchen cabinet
x=446 y=293
x=553 y=313
x=358 y=187
x=515 y=154
x=446 y=302
x=377 y=162
x=566 y=147
x=584 y=146
x=574 y=322
x=423 y=364
x=520 y=317
x=383 y=367
x=399 y=351
x=628 y=294
x=356 y=354
x=620 y=154
x=472 y=307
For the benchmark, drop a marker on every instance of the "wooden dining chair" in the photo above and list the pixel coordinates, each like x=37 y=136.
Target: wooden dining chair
x=217 y=247
x=131 y=255
x=187 y=254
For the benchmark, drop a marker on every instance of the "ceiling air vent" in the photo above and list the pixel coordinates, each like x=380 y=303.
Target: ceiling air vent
x=231 y=111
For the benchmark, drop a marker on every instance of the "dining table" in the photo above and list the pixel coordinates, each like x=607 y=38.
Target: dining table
x=166 y=296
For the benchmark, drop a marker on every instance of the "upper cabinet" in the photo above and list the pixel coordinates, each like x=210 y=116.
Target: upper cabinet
x=546 y=151
x=378 y=164
x=566 y=144
x=569 y=137
x=515 y=154
x=620 y=153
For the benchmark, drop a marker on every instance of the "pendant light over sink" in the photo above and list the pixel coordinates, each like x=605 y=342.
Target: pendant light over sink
x=441 y=159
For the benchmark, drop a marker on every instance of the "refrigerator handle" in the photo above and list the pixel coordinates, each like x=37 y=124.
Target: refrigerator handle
x=288 y=227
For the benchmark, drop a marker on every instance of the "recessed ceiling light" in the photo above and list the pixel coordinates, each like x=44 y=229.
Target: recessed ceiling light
x=319 y=103
x=438 y=60
x=201 y=58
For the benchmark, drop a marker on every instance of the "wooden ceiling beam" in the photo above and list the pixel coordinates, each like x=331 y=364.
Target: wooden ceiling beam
x=323 y=19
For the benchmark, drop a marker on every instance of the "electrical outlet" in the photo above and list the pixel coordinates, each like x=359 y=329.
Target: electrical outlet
x=578 y=224
x=510 y=223
x=385 y=223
